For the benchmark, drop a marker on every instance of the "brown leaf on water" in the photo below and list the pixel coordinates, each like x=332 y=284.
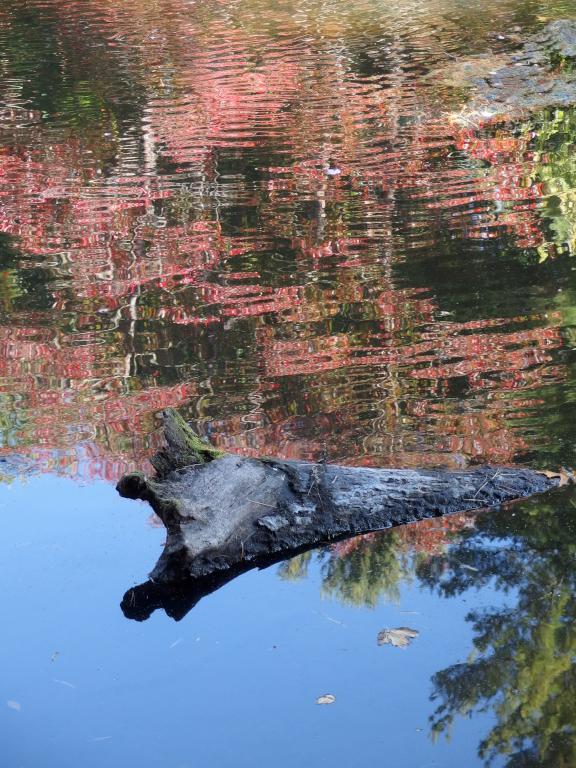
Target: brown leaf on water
x=399 y=638
x=327 y=698
x=564 y=476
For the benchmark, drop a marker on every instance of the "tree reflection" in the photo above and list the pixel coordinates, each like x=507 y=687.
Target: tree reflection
x=366 y=570
x=180 y=243
x=371 y=568
x=360 y=571
x=523 y=667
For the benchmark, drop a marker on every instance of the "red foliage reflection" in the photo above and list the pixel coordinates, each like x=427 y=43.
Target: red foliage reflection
x=199 y=255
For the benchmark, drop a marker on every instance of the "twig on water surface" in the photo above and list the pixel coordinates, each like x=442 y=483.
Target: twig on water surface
x=261 y=503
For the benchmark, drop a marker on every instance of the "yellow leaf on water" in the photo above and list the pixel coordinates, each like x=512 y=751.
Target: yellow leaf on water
x=542 y=252
x=564 y=476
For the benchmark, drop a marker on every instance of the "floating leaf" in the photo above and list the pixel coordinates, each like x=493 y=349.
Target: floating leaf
x=564 y=476
x=327 y=698
x=399 y=638
x=542 y=252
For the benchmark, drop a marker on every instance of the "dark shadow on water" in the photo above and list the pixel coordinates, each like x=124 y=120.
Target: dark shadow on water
x=177 y=599
x=140 y=602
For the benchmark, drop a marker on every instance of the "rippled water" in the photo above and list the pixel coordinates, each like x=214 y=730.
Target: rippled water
x=170 y=235
x=175 y=239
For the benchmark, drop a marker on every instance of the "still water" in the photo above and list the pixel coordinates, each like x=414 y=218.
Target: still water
x=169 y=235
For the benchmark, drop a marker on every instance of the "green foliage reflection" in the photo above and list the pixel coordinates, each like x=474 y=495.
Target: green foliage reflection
x=371 y=571
x=523 y=668
x=555 y=171
x=361 y=571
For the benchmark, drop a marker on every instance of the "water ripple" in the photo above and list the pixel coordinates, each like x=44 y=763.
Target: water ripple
x=171 y=235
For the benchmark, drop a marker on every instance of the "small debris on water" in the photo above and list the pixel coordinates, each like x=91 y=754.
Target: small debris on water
x=334 y=621
x=332 y=169
x=399 y=638
x=15 y=705
x=54 y=655
x=63 y=682
x=327 y=698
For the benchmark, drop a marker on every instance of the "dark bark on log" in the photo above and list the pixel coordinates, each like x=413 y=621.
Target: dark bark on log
x=225 y=514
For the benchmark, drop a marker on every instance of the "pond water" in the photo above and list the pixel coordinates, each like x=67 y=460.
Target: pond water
x=270 y=216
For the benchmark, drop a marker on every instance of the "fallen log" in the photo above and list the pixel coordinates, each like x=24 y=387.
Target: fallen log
x=225 y=514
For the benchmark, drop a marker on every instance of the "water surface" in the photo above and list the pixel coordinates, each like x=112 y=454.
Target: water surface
x=169 y=235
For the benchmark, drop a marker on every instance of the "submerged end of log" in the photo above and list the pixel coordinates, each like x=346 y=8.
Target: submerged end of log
x=225 y=513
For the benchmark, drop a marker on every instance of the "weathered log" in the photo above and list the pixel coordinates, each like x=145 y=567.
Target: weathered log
x=225 y=513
